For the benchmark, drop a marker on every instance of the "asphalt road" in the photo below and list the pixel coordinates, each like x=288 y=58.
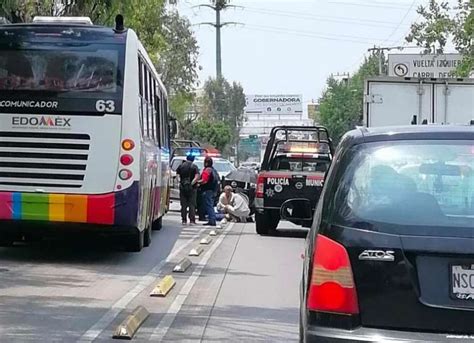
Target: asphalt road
x=243 y=287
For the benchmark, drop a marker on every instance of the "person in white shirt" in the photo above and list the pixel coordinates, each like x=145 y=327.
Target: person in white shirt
x=233 y=205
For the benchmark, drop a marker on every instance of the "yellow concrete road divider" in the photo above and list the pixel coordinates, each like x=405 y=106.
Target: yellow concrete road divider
x=182 y=266
x=213 y=233
x=196 y=251
x=128 y=328
x=206 y=241
x=163 y=287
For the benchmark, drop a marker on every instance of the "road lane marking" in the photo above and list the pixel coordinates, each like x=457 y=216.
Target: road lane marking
x=163 y=327
x=145 y=281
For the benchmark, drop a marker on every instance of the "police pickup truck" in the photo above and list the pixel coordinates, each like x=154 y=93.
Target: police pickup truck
x=294 y=166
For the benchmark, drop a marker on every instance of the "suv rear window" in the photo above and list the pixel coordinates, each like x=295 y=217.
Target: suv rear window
x=408 y=184
x=300 y=164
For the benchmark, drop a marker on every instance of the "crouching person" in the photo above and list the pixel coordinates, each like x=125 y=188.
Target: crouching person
x=233 y=205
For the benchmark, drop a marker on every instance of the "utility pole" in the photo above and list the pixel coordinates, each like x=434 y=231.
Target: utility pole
x=380 y=50
x=218 y=6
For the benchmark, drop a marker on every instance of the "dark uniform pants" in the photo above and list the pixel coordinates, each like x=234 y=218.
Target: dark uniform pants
x=188 y=200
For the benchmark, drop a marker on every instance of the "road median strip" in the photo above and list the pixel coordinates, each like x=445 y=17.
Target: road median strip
x=128 y=328
x=196 y=251
x=161 y=330
x=163 y=287
x=206 y=241
x=182 y=266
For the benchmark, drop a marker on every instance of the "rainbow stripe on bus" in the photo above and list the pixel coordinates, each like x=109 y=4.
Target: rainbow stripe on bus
x=107 y=209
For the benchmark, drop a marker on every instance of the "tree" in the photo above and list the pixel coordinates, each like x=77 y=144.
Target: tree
x=178 y=60
x=224 y=102
x=341 y=104
x=442 y=23
x=217 y=134
x=24 y=10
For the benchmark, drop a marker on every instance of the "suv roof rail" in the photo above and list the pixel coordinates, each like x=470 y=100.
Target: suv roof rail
x=62 y=20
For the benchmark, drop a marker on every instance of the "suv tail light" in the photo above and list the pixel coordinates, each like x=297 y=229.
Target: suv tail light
x=260 y=186
x=332 y=287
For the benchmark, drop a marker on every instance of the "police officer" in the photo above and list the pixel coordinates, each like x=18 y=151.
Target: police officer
x=188 y=176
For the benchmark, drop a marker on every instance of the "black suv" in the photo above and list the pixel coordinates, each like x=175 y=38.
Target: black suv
x=390 y=256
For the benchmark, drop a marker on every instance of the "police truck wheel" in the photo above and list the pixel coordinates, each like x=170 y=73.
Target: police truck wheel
x=136 y=241
x=157 y=224
x=266 y=222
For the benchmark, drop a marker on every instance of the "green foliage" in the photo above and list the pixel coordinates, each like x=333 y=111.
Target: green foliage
x=24 y=10
x=217 y=134
x=178 y=60
x=220 y=112
x=224 y=102
x=442 y=22
x=341 y=104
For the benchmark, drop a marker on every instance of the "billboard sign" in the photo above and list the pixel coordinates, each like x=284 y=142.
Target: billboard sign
x=280 y=104
x=423 y=66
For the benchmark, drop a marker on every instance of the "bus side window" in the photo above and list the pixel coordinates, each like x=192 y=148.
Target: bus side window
x=155 y=114
x=140 y=96
x=162 y=118
x=166 y=126
x=152 y=110
x=147 y=101
x=158 y=116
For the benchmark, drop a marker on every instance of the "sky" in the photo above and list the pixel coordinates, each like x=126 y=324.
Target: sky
x=293 y=46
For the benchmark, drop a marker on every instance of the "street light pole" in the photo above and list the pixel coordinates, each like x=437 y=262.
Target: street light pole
x=218 y=25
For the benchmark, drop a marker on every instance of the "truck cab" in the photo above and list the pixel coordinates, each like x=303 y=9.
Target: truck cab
x=294 y=166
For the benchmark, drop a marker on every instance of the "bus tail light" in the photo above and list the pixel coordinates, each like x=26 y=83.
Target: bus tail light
x=332 y=287
x=128 y=144
x=126 y=159
x=125 y=174
x=260 y=186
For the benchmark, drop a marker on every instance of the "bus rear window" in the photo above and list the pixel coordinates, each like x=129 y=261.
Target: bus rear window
x=60 y=68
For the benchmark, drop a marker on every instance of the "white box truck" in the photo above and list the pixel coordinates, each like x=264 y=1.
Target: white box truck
x=392 y=101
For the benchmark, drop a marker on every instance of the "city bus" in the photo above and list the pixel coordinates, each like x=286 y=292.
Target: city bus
x=84 y=132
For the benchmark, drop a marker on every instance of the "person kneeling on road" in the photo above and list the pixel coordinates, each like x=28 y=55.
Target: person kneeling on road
x=233 y=205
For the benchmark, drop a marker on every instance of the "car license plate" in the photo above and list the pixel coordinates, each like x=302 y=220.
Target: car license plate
x=462 y=282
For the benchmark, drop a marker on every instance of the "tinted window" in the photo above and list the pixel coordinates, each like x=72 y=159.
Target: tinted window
x=53 y=67
x=300 y=164
x=409 y=184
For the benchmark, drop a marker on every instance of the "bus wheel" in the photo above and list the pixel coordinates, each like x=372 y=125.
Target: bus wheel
x=157 y=224
x=136 y=241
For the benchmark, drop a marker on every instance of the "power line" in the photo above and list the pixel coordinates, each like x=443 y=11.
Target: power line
x=401 y=21
x=318 y=34
x=305 y=34
x=303 y=14
x=321 y=18
x=370 y=4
